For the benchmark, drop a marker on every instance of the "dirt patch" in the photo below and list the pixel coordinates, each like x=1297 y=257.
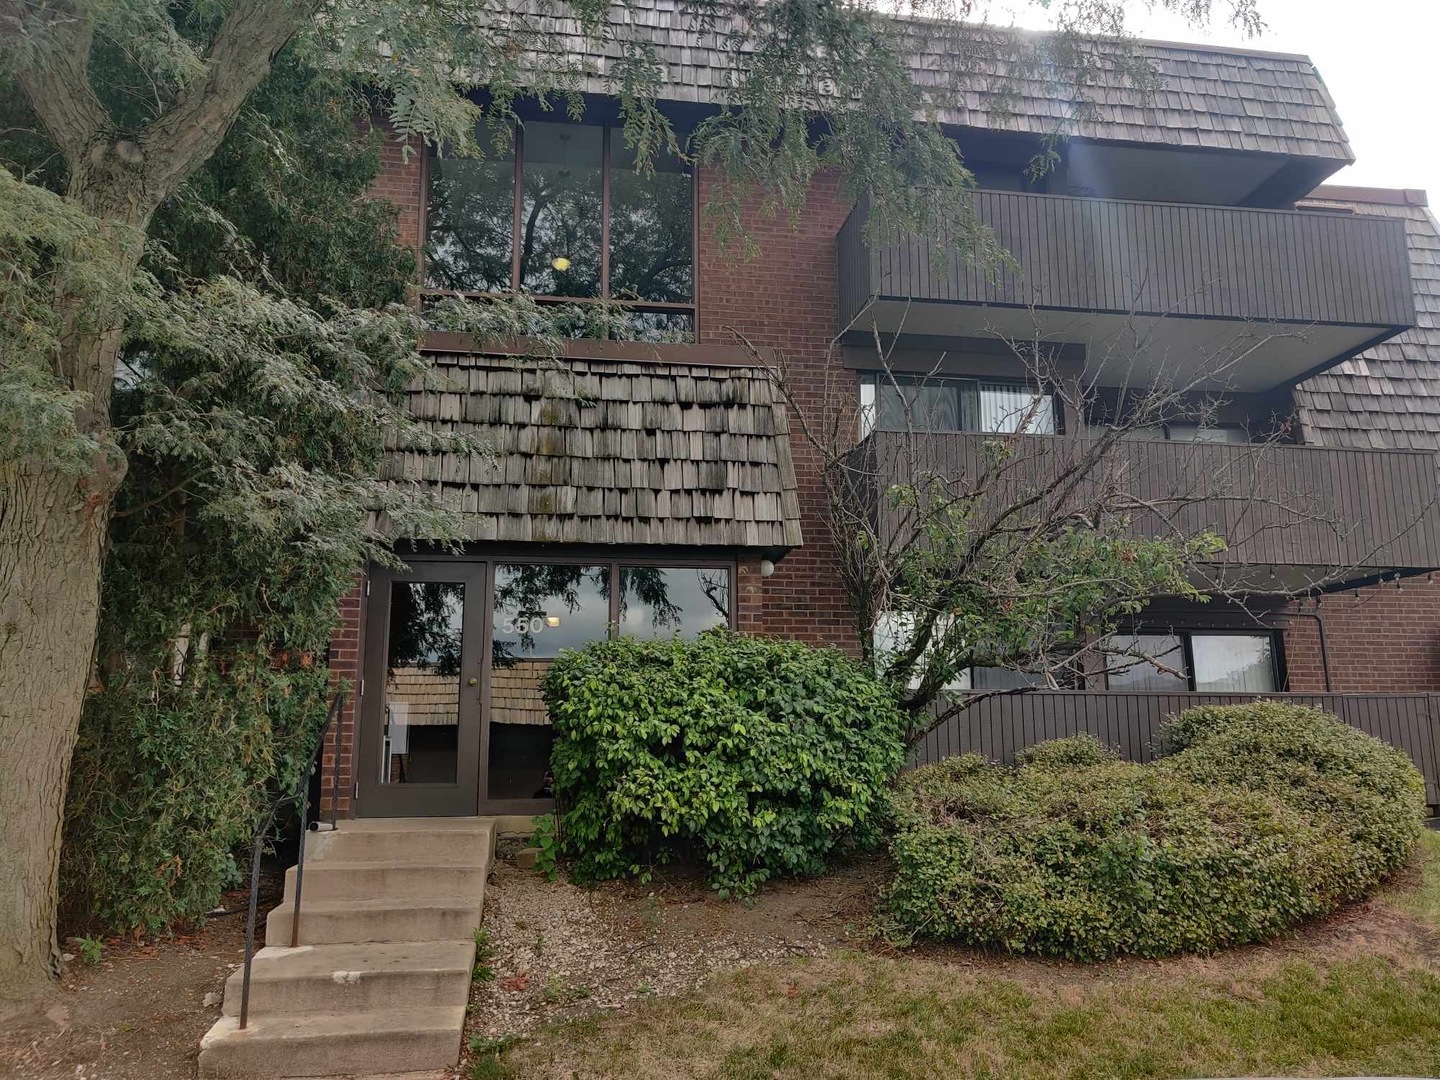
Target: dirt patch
x=556 y=950
x=139 y=1013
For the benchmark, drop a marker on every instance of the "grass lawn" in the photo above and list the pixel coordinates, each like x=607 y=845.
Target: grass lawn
x=1360 y=995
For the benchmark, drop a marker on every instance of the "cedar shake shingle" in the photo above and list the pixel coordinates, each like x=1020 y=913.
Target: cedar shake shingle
x=1207 y=96
x=1387 y=397
x=608 y=452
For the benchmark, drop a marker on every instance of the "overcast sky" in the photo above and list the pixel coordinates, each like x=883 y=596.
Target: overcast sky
x=1380 y=60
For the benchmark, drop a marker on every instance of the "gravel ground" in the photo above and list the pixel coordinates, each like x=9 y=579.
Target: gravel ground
x=557 y=950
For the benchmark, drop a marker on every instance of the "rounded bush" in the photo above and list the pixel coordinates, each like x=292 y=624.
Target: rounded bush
x=1366 y=791
x=1264 y=816
x=756 y=756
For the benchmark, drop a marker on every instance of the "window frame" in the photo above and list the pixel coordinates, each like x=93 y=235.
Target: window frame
x=517 y=191
x=1185 y=634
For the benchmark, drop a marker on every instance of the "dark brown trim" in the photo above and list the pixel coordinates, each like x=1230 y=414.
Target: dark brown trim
x=605 y=211
x=959 y=362
x=517 y=194
x=642 y=352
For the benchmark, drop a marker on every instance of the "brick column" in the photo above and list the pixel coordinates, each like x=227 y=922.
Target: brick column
x=346 y=648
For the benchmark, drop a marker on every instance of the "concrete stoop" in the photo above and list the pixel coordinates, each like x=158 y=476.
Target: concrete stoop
x=381 y=975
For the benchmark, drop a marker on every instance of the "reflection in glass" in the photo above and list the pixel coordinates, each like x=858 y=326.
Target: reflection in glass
x=999 y=678
x=422 y=683
x=538 y=610
x=907 y=404
x=663 y=601
x=1234 y=663
x=651 y=227
x=470 y=223
x=561 y=210
x=1131 y=671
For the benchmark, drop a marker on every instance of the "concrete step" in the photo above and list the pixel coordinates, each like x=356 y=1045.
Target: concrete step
x=429 y=918
x=327 y=1044
x=412 y=839
x=354 y=977
x=341 y=879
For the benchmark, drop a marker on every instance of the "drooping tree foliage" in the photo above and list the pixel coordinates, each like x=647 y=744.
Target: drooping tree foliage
x=281 y=358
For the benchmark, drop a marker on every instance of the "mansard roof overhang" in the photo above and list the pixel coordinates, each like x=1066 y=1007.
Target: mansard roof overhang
x=1203 y=96
x=677 y=446
x=1263 y=298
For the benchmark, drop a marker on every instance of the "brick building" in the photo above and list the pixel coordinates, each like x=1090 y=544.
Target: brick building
x=653 y=482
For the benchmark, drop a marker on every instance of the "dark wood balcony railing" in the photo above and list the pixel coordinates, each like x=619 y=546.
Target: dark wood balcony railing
x=998 y=726
x=1344 y=515
x=1106 y=255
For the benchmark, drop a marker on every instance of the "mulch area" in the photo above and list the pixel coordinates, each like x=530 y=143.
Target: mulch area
x=139 y=1013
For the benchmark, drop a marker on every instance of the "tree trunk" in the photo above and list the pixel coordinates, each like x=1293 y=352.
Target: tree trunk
x=52 y=535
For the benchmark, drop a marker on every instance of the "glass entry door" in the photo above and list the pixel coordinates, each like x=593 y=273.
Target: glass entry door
x=537 y=609
x=420 y=713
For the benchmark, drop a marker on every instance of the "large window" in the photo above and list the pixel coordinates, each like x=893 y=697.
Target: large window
x=918 y=403
x=566 y=215
x=1194 y=660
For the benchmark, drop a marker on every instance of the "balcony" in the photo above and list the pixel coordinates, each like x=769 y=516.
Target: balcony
x=1296 y=291
x=998 y=726
x=1293 y=517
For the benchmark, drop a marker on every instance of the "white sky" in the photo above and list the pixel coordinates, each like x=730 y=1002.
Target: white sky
x=1380 y=60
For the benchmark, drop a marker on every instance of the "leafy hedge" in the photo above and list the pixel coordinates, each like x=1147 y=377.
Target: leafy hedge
x=757 y=757
x=168 y=782
x=1264 y=815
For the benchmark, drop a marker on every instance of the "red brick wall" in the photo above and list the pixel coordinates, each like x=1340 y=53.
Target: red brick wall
x=784 y=298
x=1385 y=640
x=401 y=179
x=345 y=646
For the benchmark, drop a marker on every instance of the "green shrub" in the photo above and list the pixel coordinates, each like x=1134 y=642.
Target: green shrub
x=1264 y=816
x=168 y=781
x=758 y=757
x=1366 y=791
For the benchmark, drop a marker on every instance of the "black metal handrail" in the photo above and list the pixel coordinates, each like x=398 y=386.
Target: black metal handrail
x=302 y=794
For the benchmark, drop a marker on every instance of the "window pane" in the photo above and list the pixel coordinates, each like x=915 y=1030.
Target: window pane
x=1196 y=433
x=538 y=610
x=541 y=609
x=469 y=223
x=651 y=227
x=560 y=211
x=1130 y=671
x=999 y=678
x=422 y=683
x=662 y=602
x=659 y=326
x=1011 y=407
x=905 y=404
x=1234 y=663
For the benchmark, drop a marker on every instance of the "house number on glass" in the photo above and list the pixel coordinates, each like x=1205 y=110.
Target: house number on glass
x=529 y=624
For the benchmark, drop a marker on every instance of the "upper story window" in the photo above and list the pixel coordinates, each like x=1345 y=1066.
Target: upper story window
x=891 y=402
x=567 y=216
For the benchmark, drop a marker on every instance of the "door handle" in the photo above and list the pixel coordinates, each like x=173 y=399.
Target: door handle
x=472 y=681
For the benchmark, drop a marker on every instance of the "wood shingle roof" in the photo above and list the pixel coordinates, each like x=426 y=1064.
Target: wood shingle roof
x=1387 y=397
x=608 y=452
x=1204 y=97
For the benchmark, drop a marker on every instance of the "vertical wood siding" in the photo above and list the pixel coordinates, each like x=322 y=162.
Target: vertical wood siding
x=1273 y=503
x=998 y=726
x=1107 y=255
